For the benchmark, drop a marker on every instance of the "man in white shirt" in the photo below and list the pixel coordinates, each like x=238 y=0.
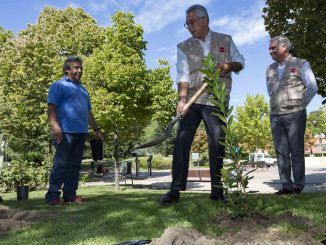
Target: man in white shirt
x=291 y=85
x=189 y=62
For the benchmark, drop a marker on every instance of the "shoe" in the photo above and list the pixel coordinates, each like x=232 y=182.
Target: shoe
x=76 y=199
x=219 y=198
x=296 y=191
x=171 y=197
x=283 y=191
x=54 y=202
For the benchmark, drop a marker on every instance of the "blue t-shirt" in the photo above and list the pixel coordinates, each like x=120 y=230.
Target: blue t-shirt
x=73 y=105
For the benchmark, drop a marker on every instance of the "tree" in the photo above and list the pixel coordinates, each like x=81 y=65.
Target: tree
x=309 y=141
x=163 y=97
x=31 y=62
x=5 y=36
x=303 y=22
x=253 y=124
x=122 y=88
x=200 y=143
x=316 y=121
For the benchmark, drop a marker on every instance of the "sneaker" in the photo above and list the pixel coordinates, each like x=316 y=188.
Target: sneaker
x=54 y=202
x=219 y=198
x=296 y=191
x=76 y=199
x=283 y=191
x=171 y=197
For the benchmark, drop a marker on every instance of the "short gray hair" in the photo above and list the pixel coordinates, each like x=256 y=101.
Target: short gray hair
x=200 y=10
x=72 y=58
x=282 y=40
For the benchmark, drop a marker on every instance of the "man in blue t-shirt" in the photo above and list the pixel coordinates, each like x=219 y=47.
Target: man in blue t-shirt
x=69 y=112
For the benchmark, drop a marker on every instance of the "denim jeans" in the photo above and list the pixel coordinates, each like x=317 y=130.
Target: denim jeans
x=288 y=136
x=185 y=135
x=66 y=166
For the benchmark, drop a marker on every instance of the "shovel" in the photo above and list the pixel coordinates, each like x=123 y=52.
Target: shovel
x=169 y=127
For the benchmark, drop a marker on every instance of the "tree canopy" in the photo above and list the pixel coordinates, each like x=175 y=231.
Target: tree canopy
x=125 y=94
x=253 y=124
x=303 y=22
x=30 y=62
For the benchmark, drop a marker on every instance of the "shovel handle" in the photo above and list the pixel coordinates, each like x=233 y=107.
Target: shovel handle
x=195 y=96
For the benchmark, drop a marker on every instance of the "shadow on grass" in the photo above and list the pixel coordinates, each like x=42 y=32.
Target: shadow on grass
x=110 y=217
x=315 y=182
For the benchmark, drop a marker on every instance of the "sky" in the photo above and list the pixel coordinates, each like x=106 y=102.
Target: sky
x=163 y=20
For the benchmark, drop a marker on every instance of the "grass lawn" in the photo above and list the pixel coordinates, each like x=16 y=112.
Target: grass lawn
x=111 y=217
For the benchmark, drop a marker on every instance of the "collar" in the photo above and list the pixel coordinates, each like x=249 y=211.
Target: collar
x=207 y=38
x=72 y=81
x=286 y=61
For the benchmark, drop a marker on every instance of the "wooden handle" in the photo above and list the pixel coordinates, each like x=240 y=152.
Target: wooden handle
x=196 y=95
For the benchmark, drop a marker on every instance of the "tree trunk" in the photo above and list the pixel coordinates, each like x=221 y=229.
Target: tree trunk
x=116 y=158
x=50 y=146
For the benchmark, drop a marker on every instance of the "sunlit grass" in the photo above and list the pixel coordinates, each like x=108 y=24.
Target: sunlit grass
x=110 y=217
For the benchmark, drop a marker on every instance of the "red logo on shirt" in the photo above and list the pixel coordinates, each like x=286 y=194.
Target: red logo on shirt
x=222 y=49
x=292 y=70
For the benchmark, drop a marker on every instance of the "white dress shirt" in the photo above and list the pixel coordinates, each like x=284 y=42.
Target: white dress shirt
x=183 y=72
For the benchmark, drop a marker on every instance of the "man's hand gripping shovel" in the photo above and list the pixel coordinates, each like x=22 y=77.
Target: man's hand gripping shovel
x=169 y=127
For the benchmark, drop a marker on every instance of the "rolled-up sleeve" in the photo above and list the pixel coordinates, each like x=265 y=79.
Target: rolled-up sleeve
x=236 y=56
x=183 y=72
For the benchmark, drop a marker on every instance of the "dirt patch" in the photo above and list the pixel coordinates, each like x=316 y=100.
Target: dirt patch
x=257 y=229
x=225 y=221
x=13 y=219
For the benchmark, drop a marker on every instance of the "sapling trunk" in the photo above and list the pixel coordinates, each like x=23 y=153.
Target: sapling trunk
x=116 y=158
x=234 y=181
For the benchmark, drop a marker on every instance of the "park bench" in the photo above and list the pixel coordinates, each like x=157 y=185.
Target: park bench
x=149 y=163
x=200 y=174
x=126 y=170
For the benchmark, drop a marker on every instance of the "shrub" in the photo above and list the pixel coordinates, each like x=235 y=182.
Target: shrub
x=159 y=162
x=22 y=172
x=34 y=156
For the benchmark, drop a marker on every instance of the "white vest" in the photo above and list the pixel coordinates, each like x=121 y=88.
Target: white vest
x=287 y=93
x=220 y=49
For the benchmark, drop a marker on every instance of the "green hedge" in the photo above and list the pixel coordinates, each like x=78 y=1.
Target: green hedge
x=159 y=162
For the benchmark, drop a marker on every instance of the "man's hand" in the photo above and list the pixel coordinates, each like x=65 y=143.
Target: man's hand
x=57 y=133
x=180 y=106
x=225 y=68
x=98 y=136
x=182 y=94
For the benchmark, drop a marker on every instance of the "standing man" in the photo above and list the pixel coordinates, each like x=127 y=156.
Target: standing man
x=69 y=112
x=189 y=62
x=291 y=85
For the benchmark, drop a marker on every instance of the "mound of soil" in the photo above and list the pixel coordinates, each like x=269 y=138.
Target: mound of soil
x=249 y=230
x=13 y=219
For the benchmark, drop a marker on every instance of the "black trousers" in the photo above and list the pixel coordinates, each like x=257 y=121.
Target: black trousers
x=185 y=135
